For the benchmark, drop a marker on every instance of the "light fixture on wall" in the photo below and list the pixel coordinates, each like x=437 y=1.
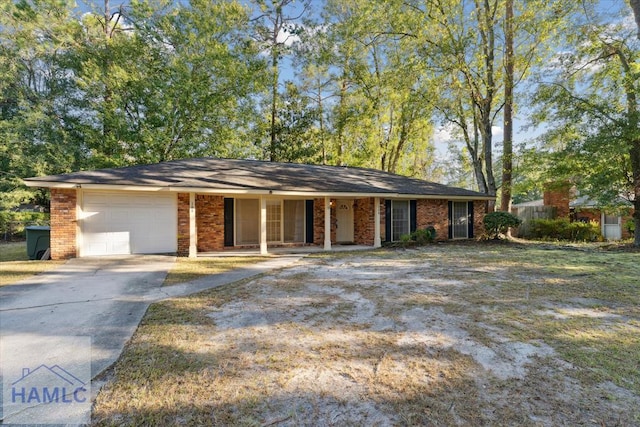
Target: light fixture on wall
x=332 y=203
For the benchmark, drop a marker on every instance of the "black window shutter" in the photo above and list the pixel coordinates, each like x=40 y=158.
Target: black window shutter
x=228 y=222
x=450 y=219
x=413 y=215
x=387 y=220
x=470 y=219
x=308 y=211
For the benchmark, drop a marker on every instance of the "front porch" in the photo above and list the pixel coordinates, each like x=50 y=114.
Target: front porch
x=220 y=225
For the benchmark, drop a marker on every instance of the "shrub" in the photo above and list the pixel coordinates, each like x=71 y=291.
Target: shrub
x=497 y=223
x=630 y=226
x=563 y=229
x=405 y=240
x=424 y=236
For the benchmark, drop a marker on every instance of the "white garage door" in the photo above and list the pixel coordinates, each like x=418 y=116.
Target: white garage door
x=115 y=223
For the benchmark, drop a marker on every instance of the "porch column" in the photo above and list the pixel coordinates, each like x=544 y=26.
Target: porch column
x=193 y=235
x=377 y=241
x=327 y=224
x=263 y=225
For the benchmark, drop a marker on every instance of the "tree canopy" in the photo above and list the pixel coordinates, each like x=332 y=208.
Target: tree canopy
x=332 y=82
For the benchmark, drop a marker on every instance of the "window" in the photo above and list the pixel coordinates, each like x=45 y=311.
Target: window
x=274 y=218
x=294 y=221
x=611 y=220
x=399 y=219
x=460 y=220
x=247 y=221
x=286 y=221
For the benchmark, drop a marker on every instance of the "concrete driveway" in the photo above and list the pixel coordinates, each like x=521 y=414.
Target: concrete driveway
x=102 y=298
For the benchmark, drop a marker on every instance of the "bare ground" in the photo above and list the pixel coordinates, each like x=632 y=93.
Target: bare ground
x=436 y=336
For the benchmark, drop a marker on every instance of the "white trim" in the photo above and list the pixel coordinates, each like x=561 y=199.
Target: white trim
x=193 y=233
x=222 y=192
x=327 y=223
x=395 y=238
x=79 y=216
x=453 y=225
x=377 y=240
x=263 y=226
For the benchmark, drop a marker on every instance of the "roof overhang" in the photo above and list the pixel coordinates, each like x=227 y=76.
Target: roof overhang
x=247 y=192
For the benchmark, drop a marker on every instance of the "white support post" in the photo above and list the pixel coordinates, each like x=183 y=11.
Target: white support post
x=327 y=224
x=193 y=235
x=263 y=226
x=377 y=241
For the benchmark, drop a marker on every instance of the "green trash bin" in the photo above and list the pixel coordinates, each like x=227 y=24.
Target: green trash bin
x=38 y=240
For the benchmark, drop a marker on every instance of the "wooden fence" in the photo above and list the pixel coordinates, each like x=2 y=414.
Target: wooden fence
x=528 y=213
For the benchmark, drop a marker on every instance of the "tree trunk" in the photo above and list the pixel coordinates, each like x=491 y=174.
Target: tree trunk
x=635 y=168
x=507 y=153
x=635 y=6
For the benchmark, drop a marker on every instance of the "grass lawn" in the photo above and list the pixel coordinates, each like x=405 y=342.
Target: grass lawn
x=15 y=264
x=188 y=269
x=449 y=334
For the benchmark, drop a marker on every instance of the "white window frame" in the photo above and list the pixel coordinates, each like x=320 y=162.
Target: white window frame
x=453 y=219
x=395 y=238
x=236 y=222
x=281 y=221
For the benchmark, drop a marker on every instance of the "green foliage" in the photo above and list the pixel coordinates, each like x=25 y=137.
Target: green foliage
x=497 y=223
x=12 y=224
x=589 y=102
x=630 y=225
x=424 y=236
x=406 y=240
x=418 y=238
x=563 y=229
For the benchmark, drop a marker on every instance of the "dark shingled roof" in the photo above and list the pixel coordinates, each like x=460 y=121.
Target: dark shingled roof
x=227 y=174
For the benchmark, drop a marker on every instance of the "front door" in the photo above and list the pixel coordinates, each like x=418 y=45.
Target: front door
x=344 y=218
x=611 y=227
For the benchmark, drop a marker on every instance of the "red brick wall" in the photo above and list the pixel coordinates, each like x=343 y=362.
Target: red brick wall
x=210 y=222
x=318 y=221
x=479 y=211
x=183 y=224
x=558 y=195
x=364 y=221
x=63 y=223
x=435 y=213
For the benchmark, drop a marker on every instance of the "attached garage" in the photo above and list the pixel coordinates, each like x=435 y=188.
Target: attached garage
x=117 y=223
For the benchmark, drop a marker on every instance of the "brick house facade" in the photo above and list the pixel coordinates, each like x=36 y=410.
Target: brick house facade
x=210 y=205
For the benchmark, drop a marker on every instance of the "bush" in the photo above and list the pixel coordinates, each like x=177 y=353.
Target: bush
x=417 y=238
x=424 y=236
x=497 y=223
x=630 y=226
x=12 y=224
x=563 y=229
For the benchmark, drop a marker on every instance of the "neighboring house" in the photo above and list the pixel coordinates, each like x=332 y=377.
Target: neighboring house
x=562 y=202
x=210 y=205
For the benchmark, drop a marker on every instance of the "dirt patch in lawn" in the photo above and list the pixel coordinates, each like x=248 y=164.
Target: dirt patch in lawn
x=445 y=335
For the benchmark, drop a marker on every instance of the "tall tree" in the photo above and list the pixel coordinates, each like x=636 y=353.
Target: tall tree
x=590 y=99
x=381 y=104
x=38 y=132
x=507 y=145
x=180 y=82
x=277 y=25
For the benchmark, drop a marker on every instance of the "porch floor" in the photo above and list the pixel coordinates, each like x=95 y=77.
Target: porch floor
x=285 y=250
